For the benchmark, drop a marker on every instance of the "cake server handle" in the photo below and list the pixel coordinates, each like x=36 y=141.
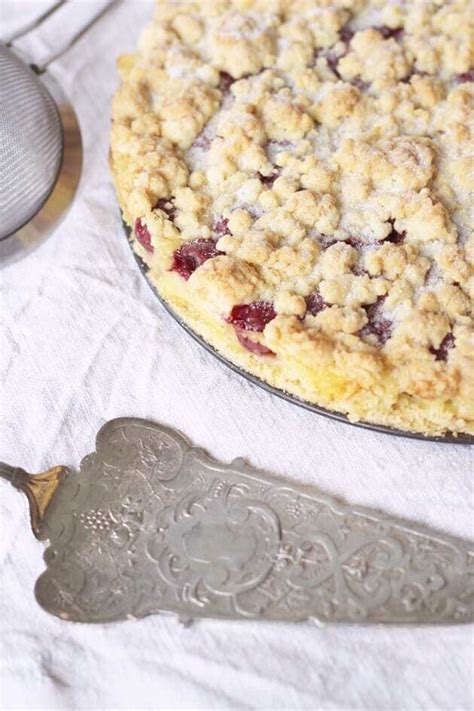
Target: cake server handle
x=39 y=489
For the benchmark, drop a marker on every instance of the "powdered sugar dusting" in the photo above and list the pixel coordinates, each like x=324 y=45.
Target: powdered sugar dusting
x=196 y=156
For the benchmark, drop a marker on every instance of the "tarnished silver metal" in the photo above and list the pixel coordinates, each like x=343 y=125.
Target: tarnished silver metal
x=152 y=525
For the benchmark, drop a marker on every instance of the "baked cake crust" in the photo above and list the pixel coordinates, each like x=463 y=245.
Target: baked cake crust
x=297 y=177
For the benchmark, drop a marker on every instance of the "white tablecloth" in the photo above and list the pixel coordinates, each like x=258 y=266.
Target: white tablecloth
x=84 y=340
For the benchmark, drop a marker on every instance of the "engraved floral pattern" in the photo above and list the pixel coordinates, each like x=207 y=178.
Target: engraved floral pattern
x=222 y=543
x=150 y=524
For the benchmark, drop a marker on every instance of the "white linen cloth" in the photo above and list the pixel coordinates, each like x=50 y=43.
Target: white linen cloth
x=84 y=340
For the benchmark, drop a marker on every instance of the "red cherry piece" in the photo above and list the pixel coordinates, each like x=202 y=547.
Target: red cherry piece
x=143 y=235
x=441 y=353
x=389 y=32
x=381 y=329
x=315 y=303
x=413 y=73
x=166 y=206
x=346 y=34
x=225 y=81
x=373 y=310
x=221 y=227
x=269 y=179
x=354 y=242
x=191 y=255
x=333 y=61
x=326 y=242
x=377 y=324
x=465 y=77
x=359 y=84
x=252 y=346
x=394 y=236
x=253 y=316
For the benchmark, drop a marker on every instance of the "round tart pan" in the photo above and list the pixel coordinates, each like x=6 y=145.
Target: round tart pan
x=446 y=439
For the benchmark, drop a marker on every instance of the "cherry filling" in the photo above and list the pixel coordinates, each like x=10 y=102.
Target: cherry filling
x=332 y=62
x=252 y=317
x=202 y=142
x=358 y=270
x=390 y=32
x=191 y=255
x=327 y=242
x=441 y=353
x=394 y=236
x=280 y=144
x=166 y=206
x=346 y=34
x=269 y=179
x=360 y=84
x=378 y=326
x=331 y=59
x=276 y=172
x=143 y=235
x=221 y=227
x=387 y=33
x=225 y=81
x=252 y=346
x=315 y=303
x=354 y=242
x=465 y=76
x=413 y=73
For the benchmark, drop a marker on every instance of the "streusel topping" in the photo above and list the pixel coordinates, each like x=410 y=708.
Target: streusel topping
x=310 y=161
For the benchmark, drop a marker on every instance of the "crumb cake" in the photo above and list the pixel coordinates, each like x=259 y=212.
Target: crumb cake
x=297 y=177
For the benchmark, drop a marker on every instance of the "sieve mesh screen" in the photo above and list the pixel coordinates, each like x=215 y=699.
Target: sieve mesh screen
x=31 y=143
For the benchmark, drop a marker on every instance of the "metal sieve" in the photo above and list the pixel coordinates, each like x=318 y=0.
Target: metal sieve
x=31 y=143
x=40 y=143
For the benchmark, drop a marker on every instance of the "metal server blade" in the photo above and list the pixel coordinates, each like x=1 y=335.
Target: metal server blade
x=150 y=524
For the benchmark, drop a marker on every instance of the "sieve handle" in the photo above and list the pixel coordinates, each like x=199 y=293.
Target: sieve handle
x=54 y=32
x=31 y=24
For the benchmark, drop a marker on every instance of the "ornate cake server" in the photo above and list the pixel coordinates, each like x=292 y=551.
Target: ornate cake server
x=150 y=524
